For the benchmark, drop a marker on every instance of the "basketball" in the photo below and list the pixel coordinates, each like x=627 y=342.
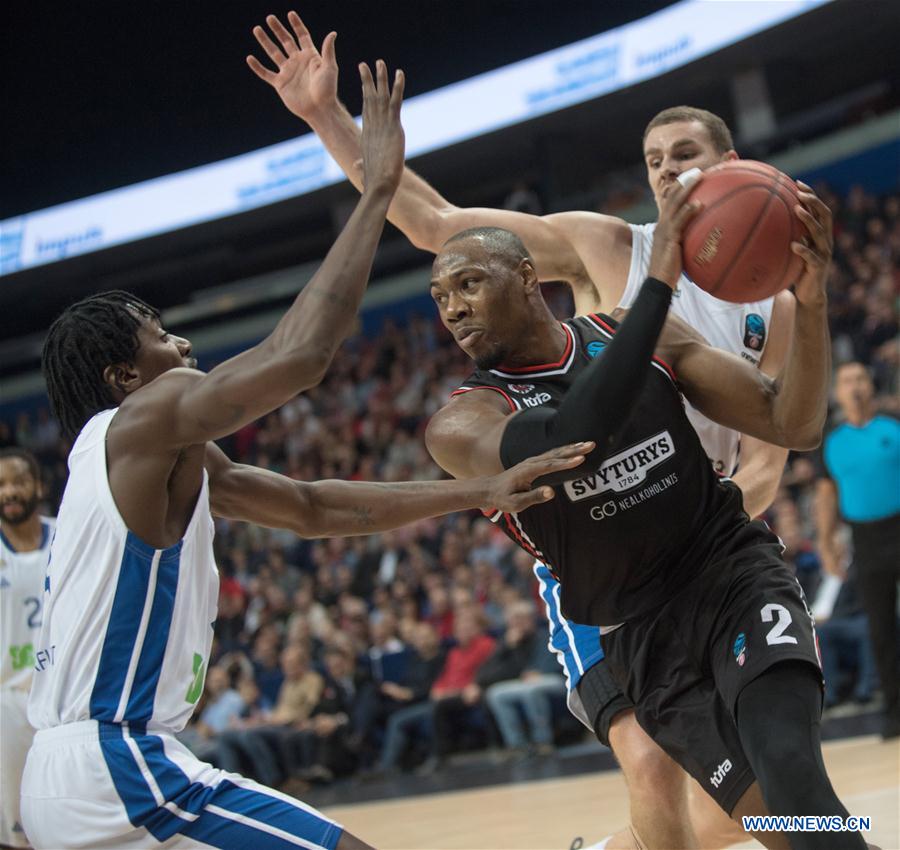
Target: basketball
x=738 y=247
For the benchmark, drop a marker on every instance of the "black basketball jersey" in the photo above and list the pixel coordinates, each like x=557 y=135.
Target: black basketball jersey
x=627 y=535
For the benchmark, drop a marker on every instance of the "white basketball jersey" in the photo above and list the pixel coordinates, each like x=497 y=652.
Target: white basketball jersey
x=739 y=328
x=21 y=593
x=127 y=628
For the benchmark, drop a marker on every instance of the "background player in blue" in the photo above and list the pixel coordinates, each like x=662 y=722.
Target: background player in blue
x=862 y=468
x=25 y=538
x=132 y=585
x=696 y=669
x=604 y=260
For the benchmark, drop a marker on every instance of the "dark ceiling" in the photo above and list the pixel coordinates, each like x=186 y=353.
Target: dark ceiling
x=106 y=101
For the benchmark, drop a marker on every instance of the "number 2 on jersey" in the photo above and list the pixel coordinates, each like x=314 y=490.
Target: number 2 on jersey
x=776 y=634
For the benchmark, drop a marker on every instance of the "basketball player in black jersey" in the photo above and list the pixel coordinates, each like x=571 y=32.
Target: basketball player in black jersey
x=705 y=627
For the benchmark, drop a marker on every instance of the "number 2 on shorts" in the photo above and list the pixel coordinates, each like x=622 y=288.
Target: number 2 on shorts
x=776 y=633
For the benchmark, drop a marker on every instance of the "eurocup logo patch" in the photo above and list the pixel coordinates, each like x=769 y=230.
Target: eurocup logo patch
x=740 y=649
x=754 y=332
x=594 y=348
x=522 y=388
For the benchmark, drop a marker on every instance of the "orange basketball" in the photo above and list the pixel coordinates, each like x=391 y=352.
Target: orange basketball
x=738 y=247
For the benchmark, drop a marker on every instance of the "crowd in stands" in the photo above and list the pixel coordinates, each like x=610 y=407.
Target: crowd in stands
x=394 y=651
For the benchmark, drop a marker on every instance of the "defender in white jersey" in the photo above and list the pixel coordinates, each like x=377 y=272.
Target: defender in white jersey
x=597 y=255
x=132 y=585
x=25 y=538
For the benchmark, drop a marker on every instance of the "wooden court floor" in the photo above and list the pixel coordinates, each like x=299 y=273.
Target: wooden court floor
x=548 y=814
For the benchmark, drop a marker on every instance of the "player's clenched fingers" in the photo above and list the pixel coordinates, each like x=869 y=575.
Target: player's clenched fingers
x=820 y=234
x=284 y=37
x=266 y=43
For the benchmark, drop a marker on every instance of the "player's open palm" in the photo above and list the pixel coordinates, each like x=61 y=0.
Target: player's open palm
x=306 y=80
x=382 y=142
x=513 y=491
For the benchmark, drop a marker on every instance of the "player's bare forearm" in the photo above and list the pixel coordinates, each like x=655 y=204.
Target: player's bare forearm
x=297 y=353
x=760 y=473
x=347 y=508
x=800 y=405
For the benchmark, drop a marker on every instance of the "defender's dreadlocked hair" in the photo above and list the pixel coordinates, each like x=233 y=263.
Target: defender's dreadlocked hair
x=89 y=336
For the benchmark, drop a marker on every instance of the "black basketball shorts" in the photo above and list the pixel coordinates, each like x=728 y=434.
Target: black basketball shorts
x=684 y=665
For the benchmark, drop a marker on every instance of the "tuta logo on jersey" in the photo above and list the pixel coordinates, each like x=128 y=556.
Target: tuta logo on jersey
x=754 y=332
x=536 y=400
x=625 y=470
x=521 y=389
x=594 y=348
x=721 y=772
x=740 y=649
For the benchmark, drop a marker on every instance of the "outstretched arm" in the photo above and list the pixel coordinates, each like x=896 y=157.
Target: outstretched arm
x=184 y=408
x=346 y=508
x=790 y=409
x=306 y=82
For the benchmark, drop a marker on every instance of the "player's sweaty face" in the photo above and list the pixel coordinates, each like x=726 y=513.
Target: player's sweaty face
x=671 y=149
x=469 y=290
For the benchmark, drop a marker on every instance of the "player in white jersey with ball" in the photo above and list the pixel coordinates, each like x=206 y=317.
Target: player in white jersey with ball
x=604 y=260
x=132 y=586
x=25 y=538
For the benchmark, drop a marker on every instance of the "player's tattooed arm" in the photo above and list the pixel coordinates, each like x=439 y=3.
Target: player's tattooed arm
x=346 y=508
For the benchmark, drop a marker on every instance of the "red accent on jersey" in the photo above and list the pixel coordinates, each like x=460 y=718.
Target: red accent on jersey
x=544 y=367
x=509 y=401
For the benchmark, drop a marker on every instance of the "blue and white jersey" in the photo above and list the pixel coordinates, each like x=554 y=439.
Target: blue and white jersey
x=742 y=329
x=127 y=628
x=21 y=592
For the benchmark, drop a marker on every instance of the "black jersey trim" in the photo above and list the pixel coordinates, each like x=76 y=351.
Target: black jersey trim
x=560 y=367
x=463 y=390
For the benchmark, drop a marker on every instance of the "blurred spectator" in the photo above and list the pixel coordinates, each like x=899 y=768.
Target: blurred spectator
x=455 y=694
x=408 y=709
x=529 y=692
x=847 y=660
x=256 y=745
x=861 y=471
x=330 y=742
x=222 y=705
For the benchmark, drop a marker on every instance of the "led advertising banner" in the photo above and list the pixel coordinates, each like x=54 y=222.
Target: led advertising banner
x=515 y=93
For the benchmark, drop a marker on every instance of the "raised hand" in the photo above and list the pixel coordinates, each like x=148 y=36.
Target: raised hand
x=675 y=211
x=382 y=133
x=306 y=80
x=512 y=491
x=816 y=253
